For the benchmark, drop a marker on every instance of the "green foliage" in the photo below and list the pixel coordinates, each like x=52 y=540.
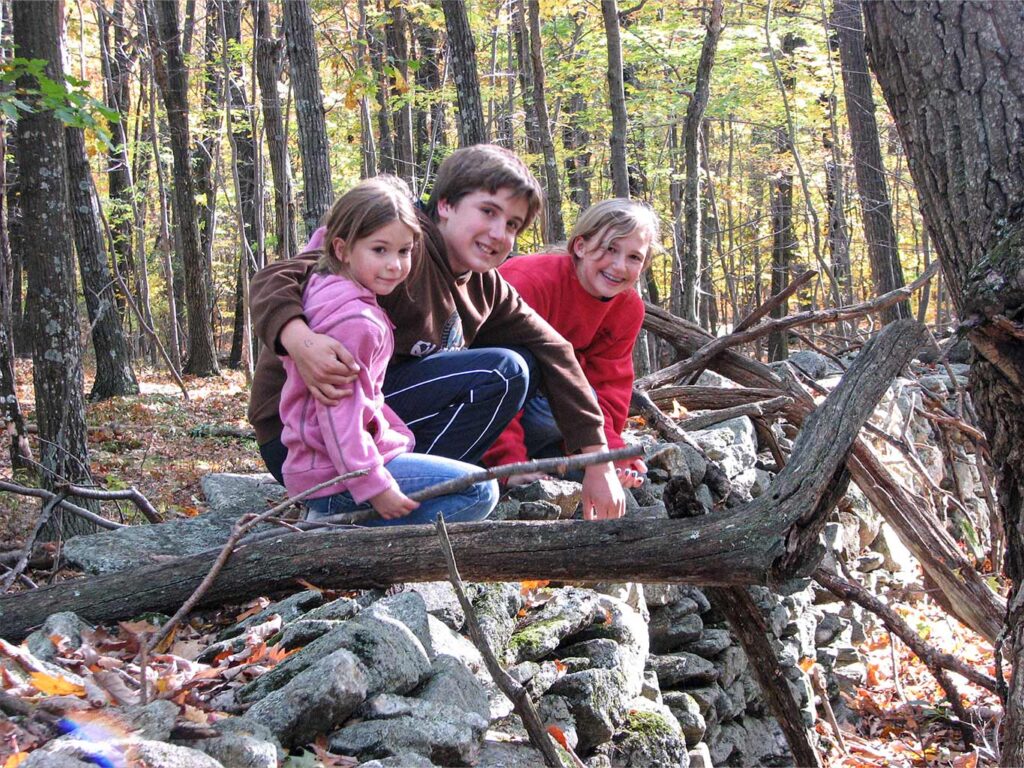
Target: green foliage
x=34 y=91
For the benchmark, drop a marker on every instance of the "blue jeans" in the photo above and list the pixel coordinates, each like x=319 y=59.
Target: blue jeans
x=414 y=472
x=456 y=403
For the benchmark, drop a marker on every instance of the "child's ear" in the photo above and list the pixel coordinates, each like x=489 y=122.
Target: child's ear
x=338 y=248
x=574 y=247
x=444 y=209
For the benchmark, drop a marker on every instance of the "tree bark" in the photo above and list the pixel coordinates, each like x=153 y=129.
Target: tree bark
x=950 y=74
x=397 y=37
x=170 y=72
x=554 y=228
x=269 y=54
x=783 y=243
x=616 y=99
x=114 y=374
x=693 y=261
x=309 y=111
x=876 y=209
x=768 y=540
x=49 y=260
x=462 y=58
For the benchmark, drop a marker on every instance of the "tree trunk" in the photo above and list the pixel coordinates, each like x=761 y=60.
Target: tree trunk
x=462 y=58
x=378 y=57
x=693 y=260
x=429 y=123
x=269 y=51
x=171 y=75
x=309 y=110
x=49 y=261
x=114 y=374
x=948 y=72
x=783 y=244
x=206 y=153
x=396 y=34
x=616 y=99
x=765 y=541
x=554 y=229
x=876 y=210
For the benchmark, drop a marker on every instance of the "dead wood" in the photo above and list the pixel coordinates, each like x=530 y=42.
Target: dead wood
x=42 y=493
x=696 y=398
x=748 y=625
x=760 y=408
x=968 y=596
x=766 y=541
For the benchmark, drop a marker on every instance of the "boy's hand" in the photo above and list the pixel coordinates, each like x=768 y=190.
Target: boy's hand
x=392 y=503
x=324 y=364
x=603 y=497
x=631 y=473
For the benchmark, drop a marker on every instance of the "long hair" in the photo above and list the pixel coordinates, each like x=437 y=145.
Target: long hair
x=368 y=206
x=614 y=218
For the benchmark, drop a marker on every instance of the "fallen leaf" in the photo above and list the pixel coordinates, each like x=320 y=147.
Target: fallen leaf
x=558 y=735
x=16 y=759
x=529 y=586
x=52 y=685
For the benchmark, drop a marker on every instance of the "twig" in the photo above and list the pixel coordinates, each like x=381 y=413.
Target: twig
x=514 y=691
x=760 y=408
x=44 y=517
x=818 y=682
x=937 y=662
x=705 y=354
x=558 y=465
x=42 y=493
x=239 y=529
x=131 y=494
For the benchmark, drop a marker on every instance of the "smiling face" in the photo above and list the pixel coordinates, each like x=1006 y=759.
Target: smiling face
x=380 y=261
x=606 y=269
x=480 y=230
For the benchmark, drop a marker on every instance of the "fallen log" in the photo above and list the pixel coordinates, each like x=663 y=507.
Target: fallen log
x=766 y=541
x=969 y=598
x=697 y=398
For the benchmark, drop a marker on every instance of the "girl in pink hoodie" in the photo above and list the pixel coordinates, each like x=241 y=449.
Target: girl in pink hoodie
x=371 y=239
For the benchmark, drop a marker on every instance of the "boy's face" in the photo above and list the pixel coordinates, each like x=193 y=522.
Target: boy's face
x=480 y=230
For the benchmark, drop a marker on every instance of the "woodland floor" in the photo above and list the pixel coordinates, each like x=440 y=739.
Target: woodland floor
x=148 y=442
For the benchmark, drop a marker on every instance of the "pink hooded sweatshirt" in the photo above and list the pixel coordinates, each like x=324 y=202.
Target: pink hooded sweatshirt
x=361 y=432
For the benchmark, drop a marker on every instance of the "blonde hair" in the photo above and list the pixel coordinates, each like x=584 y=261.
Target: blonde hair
x=611 y=219
x=485 y=167
x=368 y=206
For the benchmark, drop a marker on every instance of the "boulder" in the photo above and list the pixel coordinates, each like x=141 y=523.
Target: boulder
x=683 y=670
x=450 y=682
x=242 y=742
x=649 y=738
x=440 y=601
x=688 y=714
x=596 y=699
x=64 y=624
x=566 y=613
x=564 y=494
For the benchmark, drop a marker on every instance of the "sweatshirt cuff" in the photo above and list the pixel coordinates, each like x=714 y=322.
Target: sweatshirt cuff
x=377 y=480
x=581 y=437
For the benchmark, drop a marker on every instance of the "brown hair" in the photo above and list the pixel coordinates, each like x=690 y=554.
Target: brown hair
x=488 y=167
x=611 y=219
x=368 y=206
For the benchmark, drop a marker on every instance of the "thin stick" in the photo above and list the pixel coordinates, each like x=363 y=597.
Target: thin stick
x=760 y=408
x=818 y=682
x=131 y=494
x=514 y=691
x=239 y=529
x=42 y=493
x=44 y=517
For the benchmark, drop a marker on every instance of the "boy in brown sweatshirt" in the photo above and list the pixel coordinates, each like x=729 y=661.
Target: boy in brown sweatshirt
x=468 y=349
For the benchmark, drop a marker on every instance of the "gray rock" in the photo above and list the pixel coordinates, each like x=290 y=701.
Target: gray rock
x=814 y=364
x=570 y=610
x=230 y=496
x=682 y=670
x=496 y=606
x=674 y=626
x=289 y=609
x=447 y=642
x=651 y=688
x=734 y=701
x=597 y=701
x=450 y=683
x=700 y=757
x=758 y=741
x=681 y=460
x=539 y=510
x=555 y=710
x=153 y=754
x=509 y=754
x=710 y=643
x=302 y=632
x=707 y=698
x=897 y=557
x=601 y=652
x=650 y=738
x=314 y=701
x=391 y=656
x=65 y=624
x=688 y=714
x=242 y=743
x=404 y=760
x=41 y=759
x=443 y=741
x=340 y=609
x=387 y=706
x=731 y=444
x=153 y=721
x=409 y=609
x=564 y=494
x=440 y=600
x=507 y=509
x=829 y=627
x=732 y=663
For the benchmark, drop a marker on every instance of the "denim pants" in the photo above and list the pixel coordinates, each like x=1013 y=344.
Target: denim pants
x=414 y=472
x=456 y=403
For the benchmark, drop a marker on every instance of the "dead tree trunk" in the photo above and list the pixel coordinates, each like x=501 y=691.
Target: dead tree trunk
x=616 y=99
x=783 y=243
x=554 y=229
x=763 y=542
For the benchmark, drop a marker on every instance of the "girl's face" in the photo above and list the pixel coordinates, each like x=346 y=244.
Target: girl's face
x=379 y=261
x=607 y=269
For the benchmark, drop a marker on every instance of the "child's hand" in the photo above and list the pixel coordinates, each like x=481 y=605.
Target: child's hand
x=324 y=364
x=527 y=478
x=392 y=503
x=631 y=473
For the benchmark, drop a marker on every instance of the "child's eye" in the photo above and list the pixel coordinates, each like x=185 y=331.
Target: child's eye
x=380 y=249
x=487 y=211
x=512 y=227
